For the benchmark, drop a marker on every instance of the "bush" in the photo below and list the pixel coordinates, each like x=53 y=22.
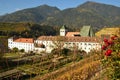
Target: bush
x=111 y=52
x=15 y=49
x=65 y=51
x=22 y=50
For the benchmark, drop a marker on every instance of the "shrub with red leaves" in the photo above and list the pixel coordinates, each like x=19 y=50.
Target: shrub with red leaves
x=108 y=52
x=110 y=42
x=105 y=40
x=104 y=47
x=111 y=50
x=114 y=37
x=107 y=44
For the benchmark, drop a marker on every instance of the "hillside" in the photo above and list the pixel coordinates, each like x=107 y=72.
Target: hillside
x=109 y=31
x=90 y=13
x=26 y=29
x=36 y=14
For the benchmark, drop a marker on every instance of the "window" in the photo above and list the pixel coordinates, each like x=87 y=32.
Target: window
x=76 y=43
x=73 y=43
x=89 y=44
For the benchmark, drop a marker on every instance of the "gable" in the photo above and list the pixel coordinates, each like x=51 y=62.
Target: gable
x=87 y=31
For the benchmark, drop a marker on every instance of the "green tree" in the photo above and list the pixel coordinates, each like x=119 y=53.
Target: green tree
x=65 y=51
x=15 y=49
x=22 y=50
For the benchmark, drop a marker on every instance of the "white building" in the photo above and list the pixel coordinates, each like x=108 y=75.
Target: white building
x=48 y=43
x=21 y=43
x=84 y=41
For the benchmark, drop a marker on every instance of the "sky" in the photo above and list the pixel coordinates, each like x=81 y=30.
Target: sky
x=9 y=6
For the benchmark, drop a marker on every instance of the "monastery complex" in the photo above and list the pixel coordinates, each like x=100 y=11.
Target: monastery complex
x=83 y=40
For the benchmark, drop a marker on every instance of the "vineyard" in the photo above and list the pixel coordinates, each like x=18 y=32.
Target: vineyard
x=31 y=66
x=82 y=70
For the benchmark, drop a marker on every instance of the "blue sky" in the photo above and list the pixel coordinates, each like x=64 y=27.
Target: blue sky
x=9 y=6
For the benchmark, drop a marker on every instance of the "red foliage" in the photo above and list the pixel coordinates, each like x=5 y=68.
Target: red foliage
x=108 y=52
x=107 y=44
x=104 y=47
x=112 y=62
x=114 y=37
x=105 y=40
x=110 y=42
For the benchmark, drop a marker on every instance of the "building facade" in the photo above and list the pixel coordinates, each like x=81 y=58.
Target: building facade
x=21 y=43
x=69 y=40
x=82 y=43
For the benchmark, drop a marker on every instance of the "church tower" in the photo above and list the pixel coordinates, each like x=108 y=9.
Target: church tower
x=63 y=30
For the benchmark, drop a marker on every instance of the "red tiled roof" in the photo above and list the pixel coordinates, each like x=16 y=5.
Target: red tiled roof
x=70 y=39
x=71 y=34
x=24 y=40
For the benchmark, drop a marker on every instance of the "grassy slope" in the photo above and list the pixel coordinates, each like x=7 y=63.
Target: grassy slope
x=18 y=27
x=109 y=31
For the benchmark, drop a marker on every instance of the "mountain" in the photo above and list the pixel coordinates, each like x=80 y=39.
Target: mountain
x=36 y=14
x=89 y=13
x=108 y=12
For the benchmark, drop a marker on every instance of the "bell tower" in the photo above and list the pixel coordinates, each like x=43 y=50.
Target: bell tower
x=63 y=30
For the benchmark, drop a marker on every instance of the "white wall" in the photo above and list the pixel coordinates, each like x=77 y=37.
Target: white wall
x=86 y=46
x=26 y=46
x=62 y=32
x=49 y=45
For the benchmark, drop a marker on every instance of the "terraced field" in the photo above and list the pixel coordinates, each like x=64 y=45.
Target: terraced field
x=56 y=68
x=83 y=70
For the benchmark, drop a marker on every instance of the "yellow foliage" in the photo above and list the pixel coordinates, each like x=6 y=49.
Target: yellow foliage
x=108 y=31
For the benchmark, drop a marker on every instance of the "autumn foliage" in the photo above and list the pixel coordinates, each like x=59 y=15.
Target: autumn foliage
x=111 y=53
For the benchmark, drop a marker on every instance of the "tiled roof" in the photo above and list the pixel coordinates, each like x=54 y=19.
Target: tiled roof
x=24 y=40
x=70 y=39
x=71 y=34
